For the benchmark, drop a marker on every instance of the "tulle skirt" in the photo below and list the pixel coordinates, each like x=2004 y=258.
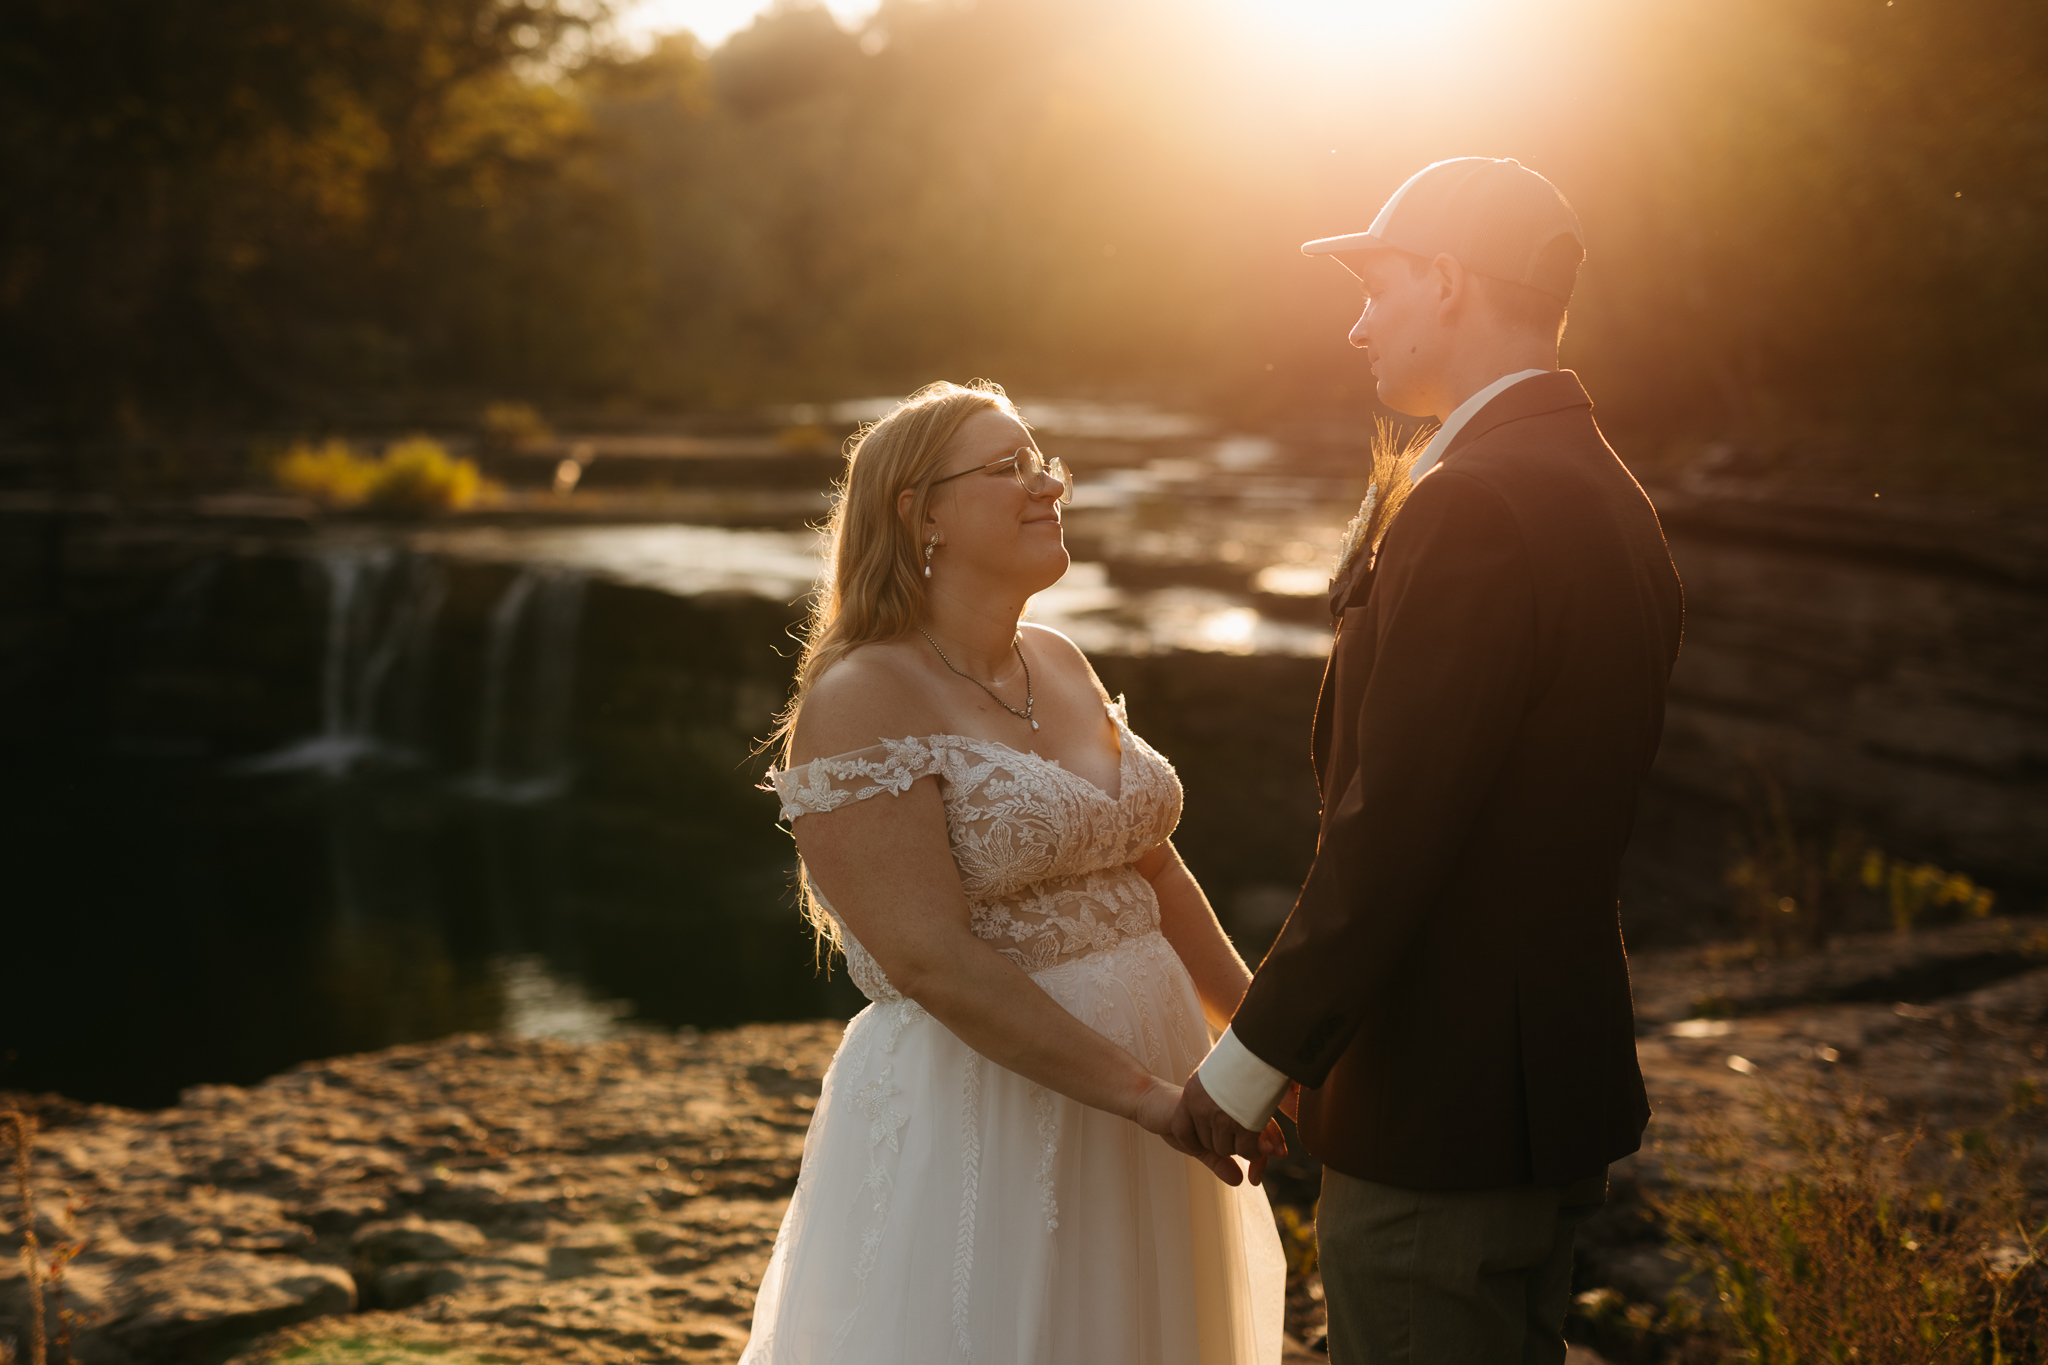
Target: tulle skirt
x=949 y=1210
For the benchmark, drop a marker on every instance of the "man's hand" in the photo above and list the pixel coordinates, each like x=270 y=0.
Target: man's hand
x=1200 y=1125
x=1154 y=1113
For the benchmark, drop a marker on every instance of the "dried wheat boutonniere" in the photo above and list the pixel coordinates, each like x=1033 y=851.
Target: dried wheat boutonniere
x=1392 y=454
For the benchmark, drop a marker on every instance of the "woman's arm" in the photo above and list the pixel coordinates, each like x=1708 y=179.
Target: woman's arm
x=1190 y=925
x=885 y=866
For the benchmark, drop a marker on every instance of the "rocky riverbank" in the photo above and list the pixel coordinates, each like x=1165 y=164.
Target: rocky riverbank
x=484 y=1197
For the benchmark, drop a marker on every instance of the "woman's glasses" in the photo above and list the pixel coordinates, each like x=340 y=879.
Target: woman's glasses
x=1029 y=468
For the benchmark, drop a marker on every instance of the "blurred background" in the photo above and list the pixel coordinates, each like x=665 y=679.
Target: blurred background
x=412 y=412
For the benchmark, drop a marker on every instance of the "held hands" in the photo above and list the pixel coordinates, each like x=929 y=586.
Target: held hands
x=1192 y=1123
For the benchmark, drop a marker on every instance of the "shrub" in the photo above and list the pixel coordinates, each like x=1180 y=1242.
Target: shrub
x=1798 y=881
x=1910 y=890
x=514 y=424
x=1848 y=1243
x=333 y=472
x=416 y=474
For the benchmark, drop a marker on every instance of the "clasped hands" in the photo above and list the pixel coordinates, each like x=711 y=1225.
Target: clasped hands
x=1199 y=1127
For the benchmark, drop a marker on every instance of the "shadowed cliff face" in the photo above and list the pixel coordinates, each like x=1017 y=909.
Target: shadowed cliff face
x=273 y=802
x=1892 y=667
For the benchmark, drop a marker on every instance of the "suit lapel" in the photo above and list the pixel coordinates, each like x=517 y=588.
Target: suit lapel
x=1353 y=584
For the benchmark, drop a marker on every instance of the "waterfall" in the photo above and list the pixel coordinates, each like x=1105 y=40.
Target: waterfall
x=381 y=609
x=524 y=721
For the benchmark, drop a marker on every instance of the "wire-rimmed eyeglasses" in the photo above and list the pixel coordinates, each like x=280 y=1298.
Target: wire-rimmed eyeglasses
x=1028 y=467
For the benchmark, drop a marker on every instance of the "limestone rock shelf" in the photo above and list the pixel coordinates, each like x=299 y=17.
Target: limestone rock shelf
x=616 y=1201
x=603 y=1202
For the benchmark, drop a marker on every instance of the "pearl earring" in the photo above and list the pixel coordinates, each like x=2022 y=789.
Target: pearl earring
x=929 y=546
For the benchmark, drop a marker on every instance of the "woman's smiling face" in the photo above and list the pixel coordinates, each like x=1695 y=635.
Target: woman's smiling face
x=988 y=524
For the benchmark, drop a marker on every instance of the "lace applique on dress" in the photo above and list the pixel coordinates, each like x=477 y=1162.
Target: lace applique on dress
x=970 y=1200
x=1046 y=857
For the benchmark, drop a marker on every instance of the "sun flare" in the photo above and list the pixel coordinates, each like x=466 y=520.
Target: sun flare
x=1343 y=27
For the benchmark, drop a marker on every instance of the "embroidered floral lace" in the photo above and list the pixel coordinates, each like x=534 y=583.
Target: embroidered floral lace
x=1046 y=857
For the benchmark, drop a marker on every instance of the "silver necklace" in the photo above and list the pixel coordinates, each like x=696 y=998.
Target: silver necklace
x=1015 y=644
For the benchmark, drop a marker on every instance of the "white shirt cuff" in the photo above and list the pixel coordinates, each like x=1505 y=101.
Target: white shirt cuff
x=1241 y=1083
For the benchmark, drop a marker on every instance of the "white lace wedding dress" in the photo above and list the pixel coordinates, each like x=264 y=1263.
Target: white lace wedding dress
x=949 y=1210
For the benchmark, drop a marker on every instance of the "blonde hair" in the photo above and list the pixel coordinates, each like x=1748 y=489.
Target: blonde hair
x=873 y=586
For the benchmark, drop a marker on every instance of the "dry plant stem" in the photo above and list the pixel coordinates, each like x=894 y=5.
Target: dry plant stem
x=31 y=1254
x=1392 y=457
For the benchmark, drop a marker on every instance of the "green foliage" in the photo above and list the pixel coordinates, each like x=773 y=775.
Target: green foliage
x=1297 y=1239
x=219 y=203
x=1798 y=881
x=1842 y=1241
x=416 y=474
x=1813 y=223
x=1912 y=889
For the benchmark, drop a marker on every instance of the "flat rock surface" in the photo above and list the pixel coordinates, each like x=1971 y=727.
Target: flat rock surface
x=517 y=1199
x=613 y=1201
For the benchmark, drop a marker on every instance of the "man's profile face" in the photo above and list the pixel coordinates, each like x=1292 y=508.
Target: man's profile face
x=1398 y=329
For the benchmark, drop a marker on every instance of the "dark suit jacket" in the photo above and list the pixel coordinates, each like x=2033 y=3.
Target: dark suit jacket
x=1452 y=982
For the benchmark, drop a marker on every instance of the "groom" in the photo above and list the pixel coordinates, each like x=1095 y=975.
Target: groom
x=1451 y=987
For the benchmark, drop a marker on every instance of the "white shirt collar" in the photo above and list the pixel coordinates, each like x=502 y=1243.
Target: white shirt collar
x=1464 y=413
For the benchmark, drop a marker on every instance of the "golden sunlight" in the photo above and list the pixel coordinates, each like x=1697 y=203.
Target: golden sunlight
x=1342 y=27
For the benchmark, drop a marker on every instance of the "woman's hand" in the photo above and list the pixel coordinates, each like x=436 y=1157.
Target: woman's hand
x=1290 y=1103
x=1154 y=1113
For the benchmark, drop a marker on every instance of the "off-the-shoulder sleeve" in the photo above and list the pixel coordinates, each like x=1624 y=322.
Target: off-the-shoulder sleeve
x=826 y=784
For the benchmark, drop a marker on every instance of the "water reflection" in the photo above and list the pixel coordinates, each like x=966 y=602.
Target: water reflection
x=1104 y=619
x=688 y=561
x=1089 y=603
x=539 y=1003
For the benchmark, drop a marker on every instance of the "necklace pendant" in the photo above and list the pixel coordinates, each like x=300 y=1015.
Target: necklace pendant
x=1034 y=724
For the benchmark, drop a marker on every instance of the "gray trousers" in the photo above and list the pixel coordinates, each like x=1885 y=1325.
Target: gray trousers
x=1449 y=1277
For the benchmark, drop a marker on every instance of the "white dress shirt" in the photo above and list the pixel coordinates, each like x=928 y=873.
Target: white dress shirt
x=1462 y=414
x=1243 y=1084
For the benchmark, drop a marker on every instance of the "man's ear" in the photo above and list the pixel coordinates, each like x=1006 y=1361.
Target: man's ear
x=1451 y=284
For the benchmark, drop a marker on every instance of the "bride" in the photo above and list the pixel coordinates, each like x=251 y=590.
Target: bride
x=982 y=1181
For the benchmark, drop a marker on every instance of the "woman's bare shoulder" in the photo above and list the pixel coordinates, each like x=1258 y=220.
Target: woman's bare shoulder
x=872 y=694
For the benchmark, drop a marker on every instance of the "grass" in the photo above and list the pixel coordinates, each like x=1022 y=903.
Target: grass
x=1837 y=1240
